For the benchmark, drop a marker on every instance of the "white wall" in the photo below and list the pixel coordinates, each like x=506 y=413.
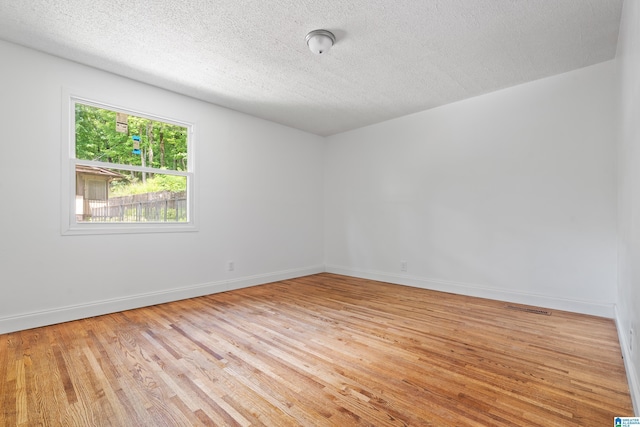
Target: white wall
x=259 y=196
x=509 y=195
x=628 y=298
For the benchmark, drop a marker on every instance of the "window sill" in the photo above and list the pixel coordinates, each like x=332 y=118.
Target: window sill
x=97 y=229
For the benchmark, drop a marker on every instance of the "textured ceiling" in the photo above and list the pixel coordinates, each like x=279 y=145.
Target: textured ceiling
x=391 y=58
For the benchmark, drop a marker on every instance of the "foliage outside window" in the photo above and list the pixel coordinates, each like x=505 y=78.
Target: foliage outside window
x=129 y=169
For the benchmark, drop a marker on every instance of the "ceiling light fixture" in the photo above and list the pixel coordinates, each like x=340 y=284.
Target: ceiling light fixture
x=320 y=41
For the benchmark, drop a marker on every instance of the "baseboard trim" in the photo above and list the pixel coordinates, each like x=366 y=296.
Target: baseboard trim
x=96 y=308
x=632 y=377
x=576 y=306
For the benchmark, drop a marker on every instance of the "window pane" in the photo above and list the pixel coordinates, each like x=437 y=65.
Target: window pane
x=105 y=136
x=110 y=195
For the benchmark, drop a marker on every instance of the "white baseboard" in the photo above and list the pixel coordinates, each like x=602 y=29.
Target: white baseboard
x=576 y=306
x=632 y=377
x=64 y=314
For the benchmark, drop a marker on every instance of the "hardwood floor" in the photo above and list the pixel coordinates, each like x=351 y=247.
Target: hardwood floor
x=323 y=350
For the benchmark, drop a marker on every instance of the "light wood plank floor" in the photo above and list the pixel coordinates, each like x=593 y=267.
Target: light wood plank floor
x=323 y=350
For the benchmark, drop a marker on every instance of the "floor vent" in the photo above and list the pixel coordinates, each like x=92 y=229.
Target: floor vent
x=529 y=310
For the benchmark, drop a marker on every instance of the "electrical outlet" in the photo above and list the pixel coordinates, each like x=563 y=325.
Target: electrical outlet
x=403 y=265
x=231 y=265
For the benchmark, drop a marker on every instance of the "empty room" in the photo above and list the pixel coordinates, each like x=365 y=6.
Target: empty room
x=320 y=213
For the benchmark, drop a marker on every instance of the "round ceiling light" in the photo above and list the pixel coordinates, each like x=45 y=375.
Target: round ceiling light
x=320 y=41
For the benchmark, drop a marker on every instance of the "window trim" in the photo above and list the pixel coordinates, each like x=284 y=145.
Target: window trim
x=69 y=225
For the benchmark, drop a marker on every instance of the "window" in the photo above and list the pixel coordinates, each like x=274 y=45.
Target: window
x=128 y=172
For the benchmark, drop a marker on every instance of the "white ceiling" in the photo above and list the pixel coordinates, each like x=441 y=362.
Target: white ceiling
x=391 y=58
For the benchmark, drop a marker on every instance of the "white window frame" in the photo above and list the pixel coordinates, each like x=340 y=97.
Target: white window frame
x=69 y=223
